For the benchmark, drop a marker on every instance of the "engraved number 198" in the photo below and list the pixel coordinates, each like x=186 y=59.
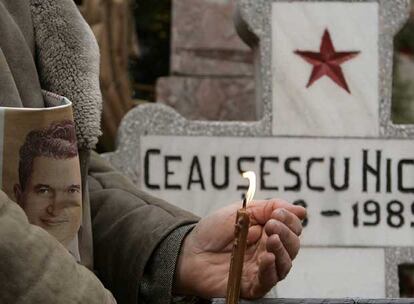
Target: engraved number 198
x=371 y=213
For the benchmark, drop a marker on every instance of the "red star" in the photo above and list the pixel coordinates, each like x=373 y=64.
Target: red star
x=327 y=62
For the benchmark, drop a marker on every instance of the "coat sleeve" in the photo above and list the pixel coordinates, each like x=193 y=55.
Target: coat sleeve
x=35 y=268
x=128 y=227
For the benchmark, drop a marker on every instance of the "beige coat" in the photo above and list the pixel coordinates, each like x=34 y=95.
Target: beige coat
x=46 y=44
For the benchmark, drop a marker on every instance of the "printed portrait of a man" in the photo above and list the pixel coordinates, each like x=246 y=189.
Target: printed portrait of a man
x=49 y=182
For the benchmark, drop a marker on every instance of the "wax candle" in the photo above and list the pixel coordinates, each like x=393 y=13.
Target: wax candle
x=241 y=230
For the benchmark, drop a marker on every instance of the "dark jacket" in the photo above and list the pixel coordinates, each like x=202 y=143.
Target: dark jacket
x=125 y=233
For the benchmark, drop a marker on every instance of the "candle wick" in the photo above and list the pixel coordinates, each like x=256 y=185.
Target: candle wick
x=244 y=202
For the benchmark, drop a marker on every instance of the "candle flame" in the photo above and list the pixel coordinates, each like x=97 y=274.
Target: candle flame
x=251 y=176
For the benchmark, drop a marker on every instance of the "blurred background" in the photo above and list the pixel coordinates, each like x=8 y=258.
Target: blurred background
x=403 y=84
x=187 y=54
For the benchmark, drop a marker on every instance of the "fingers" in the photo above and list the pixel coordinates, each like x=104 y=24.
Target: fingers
x=289 y=239
x=266 y=277
x=299 y=211
x=283 y=261
x=254 y=235
x=274 y=265
x=261 y=211
x=282 y=215
x=289 y=219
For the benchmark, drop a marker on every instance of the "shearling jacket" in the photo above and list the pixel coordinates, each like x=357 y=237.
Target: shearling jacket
x=126 y=235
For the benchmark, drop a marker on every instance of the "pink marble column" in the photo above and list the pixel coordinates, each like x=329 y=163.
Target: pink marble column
x=211 y=67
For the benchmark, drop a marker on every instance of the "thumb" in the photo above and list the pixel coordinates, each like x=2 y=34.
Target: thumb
x=299 y=211
x=261 y=211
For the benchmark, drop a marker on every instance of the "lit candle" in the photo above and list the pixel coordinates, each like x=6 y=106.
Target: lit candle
x=241 y=230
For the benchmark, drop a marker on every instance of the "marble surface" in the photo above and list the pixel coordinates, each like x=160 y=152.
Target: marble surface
x=321 y=301
x=204 y=40
x=254 y=22
x=362 y=272
x=325 y=108
x=346 y=207
x=202 y=98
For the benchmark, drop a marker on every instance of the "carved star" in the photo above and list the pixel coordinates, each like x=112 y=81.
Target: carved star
x=327 y=62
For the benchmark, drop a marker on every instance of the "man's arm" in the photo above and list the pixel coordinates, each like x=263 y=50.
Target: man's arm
x=132 y=231
x=133 y=235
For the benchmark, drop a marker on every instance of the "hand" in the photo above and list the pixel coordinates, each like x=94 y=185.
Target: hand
x=272 y=244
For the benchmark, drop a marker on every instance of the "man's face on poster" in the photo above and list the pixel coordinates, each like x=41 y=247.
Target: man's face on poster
x=52 y=196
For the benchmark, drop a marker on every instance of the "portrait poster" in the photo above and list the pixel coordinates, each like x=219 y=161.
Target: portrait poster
x=40 y=167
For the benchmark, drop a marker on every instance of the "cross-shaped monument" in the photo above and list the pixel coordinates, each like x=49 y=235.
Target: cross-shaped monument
x=325 y=140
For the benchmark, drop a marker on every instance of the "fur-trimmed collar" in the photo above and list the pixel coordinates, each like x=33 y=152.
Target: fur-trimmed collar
x=67 y=57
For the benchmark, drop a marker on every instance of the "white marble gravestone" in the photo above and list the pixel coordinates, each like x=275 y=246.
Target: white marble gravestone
x=325 y=140
x=348 y=107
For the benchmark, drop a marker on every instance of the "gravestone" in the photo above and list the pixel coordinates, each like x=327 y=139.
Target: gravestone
x=204 y=40
x=325 y=140
x=209 y=98
x=211 y=67
x=321 y=301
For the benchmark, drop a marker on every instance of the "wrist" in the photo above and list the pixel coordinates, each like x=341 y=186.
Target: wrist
x=186 y=269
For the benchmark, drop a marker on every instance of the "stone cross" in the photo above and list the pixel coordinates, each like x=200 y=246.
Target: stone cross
x=325 y=140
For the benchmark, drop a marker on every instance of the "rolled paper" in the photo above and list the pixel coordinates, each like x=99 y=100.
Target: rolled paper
x=237 y=257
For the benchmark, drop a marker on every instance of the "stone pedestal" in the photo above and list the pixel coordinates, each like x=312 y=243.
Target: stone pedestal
x=322 y=301
x=209 y=98
x=212 y=69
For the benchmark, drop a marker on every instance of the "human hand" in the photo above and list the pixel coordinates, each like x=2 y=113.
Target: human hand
x=272 y=244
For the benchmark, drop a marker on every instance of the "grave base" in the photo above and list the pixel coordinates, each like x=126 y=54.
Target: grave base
x=322 y=301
